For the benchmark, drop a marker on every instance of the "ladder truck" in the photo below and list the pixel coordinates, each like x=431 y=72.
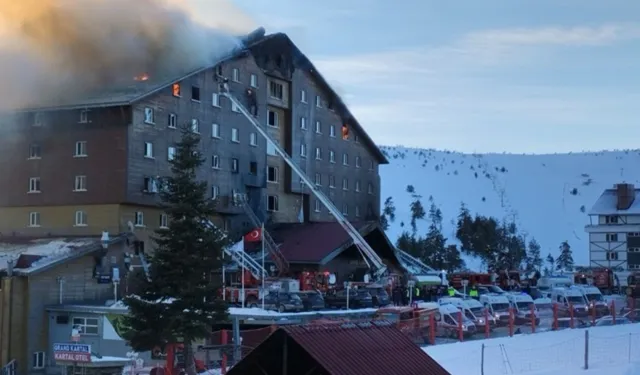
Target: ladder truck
x=373 y=261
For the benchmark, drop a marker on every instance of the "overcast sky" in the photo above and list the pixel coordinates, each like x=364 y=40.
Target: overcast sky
x=531 y=76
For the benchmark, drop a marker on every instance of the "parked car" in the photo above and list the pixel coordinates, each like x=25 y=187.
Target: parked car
x=357 y=299
x=632 y=315
x=311 y=300
x=608 y=321
x=283 y=302
x=379 y=296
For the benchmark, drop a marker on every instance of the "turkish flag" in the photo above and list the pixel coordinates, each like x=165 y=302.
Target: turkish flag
x=253 y=236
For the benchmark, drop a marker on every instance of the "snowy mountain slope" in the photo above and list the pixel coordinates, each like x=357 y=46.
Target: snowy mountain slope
x=547 y=195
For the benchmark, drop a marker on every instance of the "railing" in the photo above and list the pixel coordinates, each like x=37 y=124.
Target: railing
x=270 y=244
x=245 y=260
x=10 y=368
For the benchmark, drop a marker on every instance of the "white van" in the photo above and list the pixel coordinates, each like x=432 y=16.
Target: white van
x=547 y=283
x=563 y=298
x=448 y=324
x=544 y=306
x=498 y=306
x=521 y=304
x=595 y=299
x=472 y=309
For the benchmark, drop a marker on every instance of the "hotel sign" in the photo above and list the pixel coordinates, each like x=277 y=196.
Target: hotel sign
x=72 y=353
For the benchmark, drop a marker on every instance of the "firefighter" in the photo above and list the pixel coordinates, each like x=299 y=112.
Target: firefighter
x=451 y=292
x=416 y=293
x=473 y=292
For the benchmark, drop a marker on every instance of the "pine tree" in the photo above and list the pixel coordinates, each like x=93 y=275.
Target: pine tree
x=388 y=213
x=534 y=261
x=564 y=261
x=179 y=303
x=550 y=264
x=417 y=212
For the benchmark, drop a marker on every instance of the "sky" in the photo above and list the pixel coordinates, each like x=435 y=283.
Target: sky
x=525 y=76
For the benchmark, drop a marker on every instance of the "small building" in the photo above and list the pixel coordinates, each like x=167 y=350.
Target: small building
x=372 y=348
x=614 y=229
x=37 y=272
x=322 y=247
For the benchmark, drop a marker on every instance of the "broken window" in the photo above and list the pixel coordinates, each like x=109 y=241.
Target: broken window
x=253 y=168
x=195 y=93
x=272 y=203
x=272 y=118
x=345 y=132
x=272 y=174
x=175 y=89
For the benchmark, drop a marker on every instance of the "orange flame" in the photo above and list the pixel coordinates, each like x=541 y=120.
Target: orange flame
x=141 y=77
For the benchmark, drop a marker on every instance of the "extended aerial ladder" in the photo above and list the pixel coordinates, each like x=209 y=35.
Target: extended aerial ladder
x=370 y=257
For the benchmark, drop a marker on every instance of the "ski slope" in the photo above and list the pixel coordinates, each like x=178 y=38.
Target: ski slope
x=611 y=351
x=547 y=195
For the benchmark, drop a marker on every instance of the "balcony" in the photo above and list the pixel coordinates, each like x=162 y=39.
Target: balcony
x=612 y=228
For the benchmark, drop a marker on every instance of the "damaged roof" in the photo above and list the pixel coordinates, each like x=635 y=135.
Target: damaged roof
x=136 y=90
x=33 y=255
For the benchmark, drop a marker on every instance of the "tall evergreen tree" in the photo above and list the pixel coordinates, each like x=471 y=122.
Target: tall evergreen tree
x=534 y=260
x=564 y=261
x=179 y=303
x=551 y=262
x=417 y=212
x=388 y=213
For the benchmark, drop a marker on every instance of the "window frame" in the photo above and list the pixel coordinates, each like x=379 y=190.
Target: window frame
x=84 y=332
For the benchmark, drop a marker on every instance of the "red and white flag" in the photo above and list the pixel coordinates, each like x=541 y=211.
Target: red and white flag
x=254 y=236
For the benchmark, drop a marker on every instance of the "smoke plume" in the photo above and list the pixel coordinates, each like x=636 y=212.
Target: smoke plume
x=52 y=51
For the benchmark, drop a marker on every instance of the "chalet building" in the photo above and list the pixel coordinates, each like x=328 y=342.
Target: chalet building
x=94 y=164
x=614 y=229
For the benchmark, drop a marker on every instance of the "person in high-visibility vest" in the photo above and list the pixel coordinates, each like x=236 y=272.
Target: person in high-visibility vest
x=473 y=292
x=451 y=291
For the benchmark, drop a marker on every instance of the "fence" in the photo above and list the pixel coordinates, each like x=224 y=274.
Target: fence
x=591 y=351
x=457 y=327
x=426 y=329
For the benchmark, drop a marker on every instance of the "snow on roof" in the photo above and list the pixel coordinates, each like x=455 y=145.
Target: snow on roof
x=606 y=204
x=31 y=254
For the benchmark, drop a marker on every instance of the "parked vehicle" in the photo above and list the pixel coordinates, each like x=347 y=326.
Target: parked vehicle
x=498 y=306
x=283 y=302
x=595 y=299
x=546 y=284
x=412 y=321
x=379 y=296
x=472 y=309
x=358 y=299
x=567 y=298
x=544 y=306
x=311 y=300
x=447 y=319
x=632 y=315
x=609 y=321
x=523 y=308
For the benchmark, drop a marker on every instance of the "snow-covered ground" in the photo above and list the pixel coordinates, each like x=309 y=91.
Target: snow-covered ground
x=536 y=190
x=611 y=351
